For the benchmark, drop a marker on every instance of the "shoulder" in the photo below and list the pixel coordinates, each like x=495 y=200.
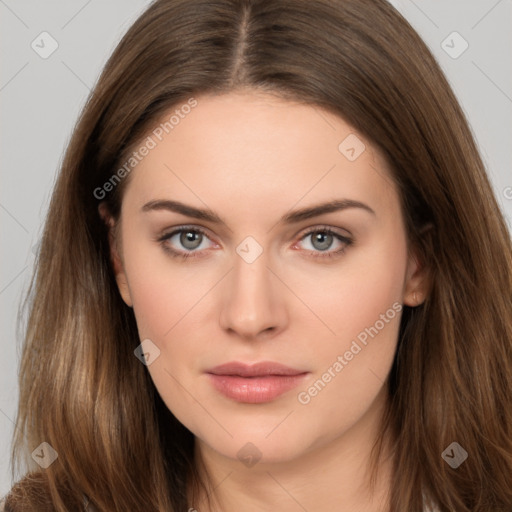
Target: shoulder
x=4 y=506
x=6 y=503
x=429 y=506
x=25 y=496
x=30 y=494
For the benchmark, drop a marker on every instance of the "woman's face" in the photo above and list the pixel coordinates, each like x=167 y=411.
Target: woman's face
x=267 y=279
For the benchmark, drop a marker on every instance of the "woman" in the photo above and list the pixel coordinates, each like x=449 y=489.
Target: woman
x=273 y=276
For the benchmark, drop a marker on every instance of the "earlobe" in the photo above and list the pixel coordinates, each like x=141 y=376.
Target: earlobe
x=115 y=258
x=124 y=290
x=417 y=280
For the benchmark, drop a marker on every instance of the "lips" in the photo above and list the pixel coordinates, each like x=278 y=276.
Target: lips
x=256 y=383
x=255 y=370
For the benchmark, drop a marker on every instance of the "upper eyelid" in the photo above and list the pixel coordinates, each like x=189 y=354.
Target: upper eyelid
x=170 y=233
x=321 y=228
x=304 y=232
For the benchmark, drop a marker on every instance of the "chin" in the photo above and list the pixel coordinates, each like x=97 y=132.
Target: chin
x=252 y=447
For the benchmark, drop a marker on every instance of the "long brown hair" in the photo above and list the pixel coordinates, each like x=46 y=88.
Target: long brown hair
x=81 y=388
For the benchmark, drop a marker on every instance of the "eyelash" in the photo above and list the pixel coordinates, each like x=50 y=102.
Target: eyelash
x=315 y=254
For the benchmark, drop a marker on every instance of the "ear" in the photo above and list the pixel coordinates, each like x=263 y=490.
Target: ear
x=418 y=278
x=115 y=256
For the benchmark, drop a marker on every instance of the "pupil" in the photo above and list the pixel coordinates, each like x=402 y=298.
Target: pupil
x=190 y=237
x=324 y=240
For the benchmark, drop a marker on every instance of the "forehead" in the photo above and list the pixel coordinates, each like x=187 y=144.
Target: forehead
x=258 y=152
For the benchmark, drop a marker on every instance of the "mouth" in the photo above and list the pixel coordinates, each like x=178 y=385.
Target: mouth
x=256 y=383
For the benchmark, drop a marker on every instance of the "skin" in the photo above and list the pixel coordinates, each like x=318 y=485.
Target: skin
x=251 y=158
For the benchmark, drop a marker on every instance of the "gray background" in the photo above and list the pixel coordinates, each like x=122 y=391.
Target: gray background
x=40 y=100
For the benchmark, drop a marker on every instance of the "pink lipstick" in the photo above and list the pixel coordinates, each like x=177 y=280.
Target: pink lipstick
x=256 y=383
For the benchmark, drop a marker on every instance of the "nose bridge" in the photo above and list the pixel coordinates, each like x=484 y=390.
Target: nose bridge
x=249 y=279
x=252 y=304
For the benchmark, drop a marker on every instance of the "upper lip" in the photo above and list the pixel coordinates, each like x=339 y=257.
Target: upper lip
x=263 y=368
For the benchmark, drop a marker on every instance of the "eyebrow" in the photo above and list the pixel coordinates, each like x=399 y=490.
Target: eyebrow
x=289 y=218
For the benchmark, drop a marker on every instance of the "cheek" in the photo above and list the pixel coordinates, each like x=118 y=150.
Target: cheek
x=165 y=296
x=162 y=290
x=361 y=304
x=350 y=296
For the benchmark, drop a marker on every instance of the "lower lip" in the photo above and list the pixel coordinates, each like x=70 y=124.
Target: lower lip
x=255 y=390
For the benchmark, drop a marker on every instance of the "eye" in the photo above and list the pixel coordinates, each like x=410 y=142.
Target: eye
x=188 y=240
x=323 y=238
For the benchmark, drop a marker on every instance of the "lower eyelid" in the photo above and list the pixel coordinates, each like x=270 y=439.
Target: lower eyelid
x=346 y=241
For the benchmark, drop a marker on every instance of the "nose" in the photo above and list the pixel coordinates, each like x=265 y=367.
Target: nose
x=253 y=305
